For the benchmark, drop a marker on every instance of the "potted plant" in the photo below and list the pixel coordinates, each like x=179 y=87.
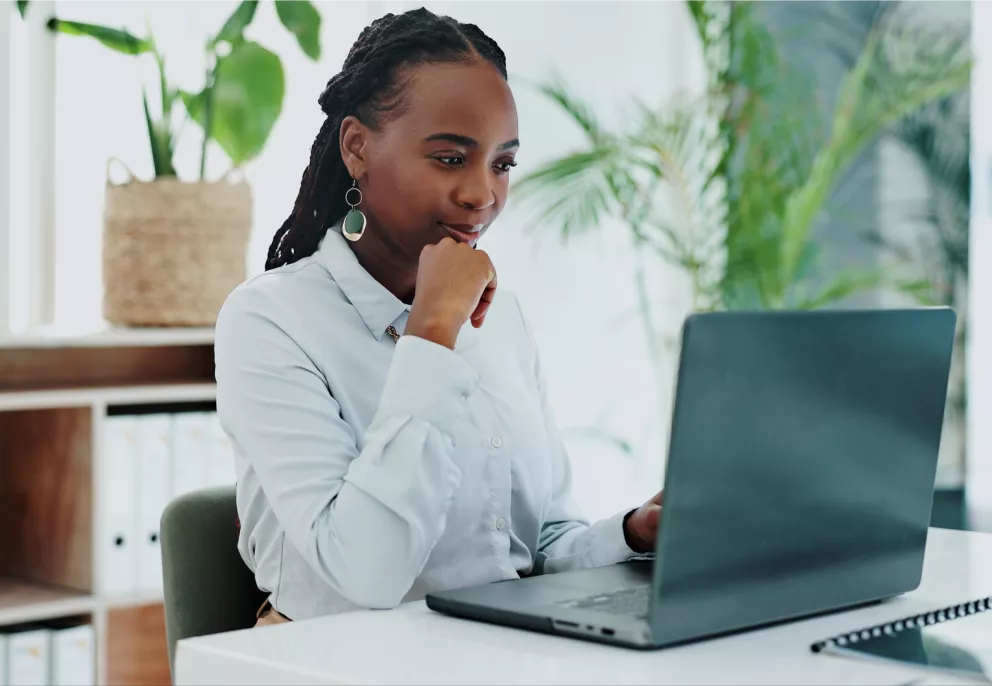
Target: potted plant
x=728 y=186
x=173 y=249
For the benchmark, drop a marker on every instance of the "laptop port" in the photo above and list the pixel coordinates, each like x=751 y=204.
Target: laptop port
x=608 y=632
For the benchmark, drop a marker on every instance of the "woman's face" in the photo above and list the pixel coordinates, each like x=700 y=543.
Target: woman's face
x=439 y=166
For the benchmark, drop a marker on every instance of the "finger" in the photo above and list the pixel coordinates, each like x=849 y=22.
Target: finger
x=490 y=289
x=479 y=316
x=658 y=498
x=652 y=516
x=486 y=299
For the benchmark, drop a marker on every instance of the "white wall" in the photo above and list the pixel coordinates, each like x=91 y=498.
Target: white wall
x=16 y=212
x=979 y=471
x=6 y=18
x=580 y=298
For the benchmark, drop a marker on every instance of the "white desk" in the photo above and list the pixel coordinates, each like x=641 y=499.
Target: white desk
x=414 y=645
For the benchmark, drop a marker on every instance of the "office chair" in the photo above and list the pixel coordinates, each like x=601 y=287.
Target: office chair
x=208 y=588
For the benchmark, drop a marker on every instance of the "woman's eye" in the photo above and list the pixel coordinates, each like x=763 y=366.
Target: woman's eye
x=450 y=160
x=505 y=167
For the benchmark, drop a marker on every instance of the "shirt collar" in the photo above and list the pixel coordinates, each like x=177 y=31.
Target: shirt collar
x=377 y=306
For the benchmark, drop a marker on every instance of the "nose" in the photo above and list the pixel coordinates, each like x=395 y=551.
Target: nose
x=475 y=190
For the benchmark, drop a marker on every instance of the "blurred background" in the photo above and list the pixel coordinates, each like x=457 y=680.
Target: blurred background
x=676 y=157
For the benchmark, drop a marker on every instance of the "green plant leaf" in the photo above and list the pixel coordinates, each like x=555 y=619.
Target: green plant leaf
x=115 y=39
x=236 y=24
x=898 y=72
x=192 y=102
x=156 y=163
x=577 y=110
x=571 y=194
x=246 y=99
x=851 y=282
x=22 y=7
x=303 y=21
x=160 y=140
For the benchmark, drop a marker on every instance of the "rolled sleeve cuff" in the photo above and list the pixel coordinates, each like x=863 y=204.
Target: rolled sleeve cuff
x=428 y=381
x=612 y=547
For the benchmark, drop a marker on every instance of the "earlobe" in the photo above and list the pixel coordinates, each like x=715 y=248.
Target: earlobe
x=353 y=137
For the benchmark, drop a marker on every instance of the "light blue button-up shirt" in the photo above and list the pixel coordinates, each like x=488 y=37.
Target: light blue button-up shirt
x=371 y=471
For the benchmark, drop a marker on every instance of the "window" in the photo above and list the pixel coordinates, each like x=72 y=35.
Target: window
x=26 y=110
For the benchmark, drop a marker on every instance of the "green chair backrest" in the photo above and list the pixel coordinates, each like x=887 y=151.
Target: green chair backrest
x=208 y=587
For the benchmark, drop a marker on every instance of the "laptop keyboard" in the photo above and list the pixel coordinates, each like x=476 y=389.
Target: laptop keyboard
x=631 y=602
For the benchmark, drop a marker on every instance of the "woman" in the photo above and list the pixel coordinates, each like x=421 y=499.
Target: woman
x=383 y=448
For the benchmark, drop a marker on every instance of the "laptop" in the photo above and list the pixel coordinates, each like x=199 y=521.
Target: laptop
x=799 y=481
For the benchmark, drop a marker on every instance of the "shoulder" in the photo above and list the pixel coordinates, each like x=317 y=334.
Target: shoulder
x=274 y=286
x=279 y=302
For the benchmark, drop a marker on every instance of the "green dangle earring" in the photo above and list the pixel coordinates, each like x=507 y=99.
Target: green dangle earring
x=354 y=223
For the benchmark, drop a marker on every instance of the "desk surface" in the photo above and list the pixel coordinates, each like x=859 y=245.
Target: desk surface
x=413 y=644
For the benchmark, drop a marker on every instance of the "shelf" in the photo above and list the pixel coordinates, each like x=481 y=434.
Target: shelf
x=57 y=388
x=116 y=395
x=109 y=336
x=24 y=601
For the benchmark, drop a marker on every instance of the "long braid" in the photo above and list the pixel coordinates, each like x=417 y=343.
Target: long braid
x=366 y=87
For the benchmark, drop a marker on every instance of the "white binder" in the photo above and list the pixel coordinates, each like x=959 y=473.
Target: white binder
x=73 y=657
x=28 y=658
x=153 y=489
x=3 y=660
x=116 y=504
x=221 y=470
x=190 y=451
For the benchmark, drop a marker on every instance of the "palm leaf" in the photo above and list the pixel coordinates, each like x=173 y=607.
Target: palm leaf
x=850 y=282
x=572 y=193
x=896 y=75
x=577 y=110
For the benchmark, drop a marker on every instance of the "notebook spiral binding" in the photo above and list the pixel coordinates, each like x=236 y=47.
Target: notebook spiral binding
x=889 y=628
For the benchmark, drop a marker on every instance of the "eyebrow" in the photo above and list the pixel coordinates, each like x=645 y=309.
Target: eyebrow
x=468 y=142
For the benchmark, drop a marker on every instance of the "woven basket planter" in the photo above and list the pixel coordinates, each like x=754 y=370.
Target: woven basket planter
x=173 y=251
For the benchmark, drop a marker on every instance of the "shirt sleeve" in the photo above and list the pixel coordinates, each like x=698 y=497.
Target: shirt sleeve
x=567 y=540
x=366 y=520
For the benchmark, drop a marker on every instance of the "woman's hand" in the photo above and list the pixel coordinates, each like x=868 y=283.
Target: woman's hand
x=455 y=283
x=641 y=528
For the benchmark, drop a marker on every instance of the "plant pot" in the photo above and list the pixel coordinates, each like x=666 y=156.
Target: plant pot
x=173 y=251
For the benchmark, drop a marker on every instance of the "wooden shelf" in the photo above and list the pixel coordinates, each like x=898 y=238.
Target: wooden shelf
x=57 y=391
x=25 y=601
x=108 y=336
x=111 y=395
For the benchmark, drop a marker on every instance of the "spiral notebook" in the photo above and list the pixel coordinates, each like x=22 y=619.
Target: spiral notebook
x=956 y=640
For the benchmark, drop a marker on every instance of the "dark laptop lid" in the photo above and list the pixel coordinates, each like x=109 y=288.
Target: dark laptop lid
x=801 y=464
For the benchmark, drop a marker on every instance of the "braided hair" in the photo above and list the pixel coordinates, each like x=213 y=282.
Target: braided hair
x=366 y=87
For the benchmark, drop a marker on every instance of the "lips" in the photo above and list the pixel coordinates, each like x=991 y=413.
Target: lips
x=463 y=233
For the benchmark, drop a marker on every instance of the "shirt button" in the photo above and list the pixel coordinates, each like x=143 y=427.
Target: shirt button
x=496 y=441
x=500 y=524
